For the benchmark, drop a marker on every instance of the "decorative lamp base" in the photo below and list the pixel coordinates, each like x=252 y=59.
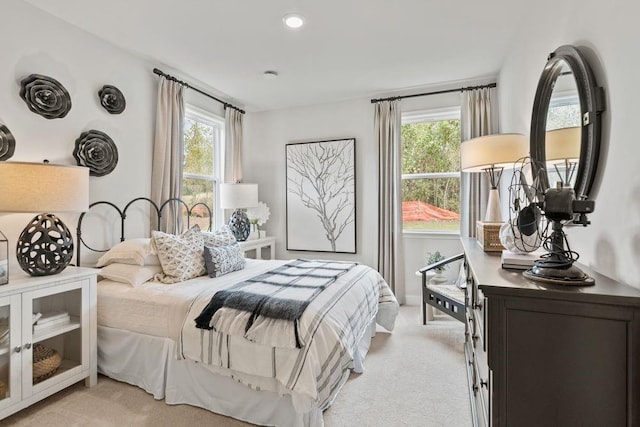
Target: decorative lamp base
x=240 y=225
x=45 y=246
x=493 y=213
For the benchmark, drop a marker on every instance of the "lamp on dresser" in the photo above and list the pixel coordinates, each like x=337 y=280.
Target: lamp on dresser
x=562 y=150
x=491 y=154
x=45 y=246
x=239 y=197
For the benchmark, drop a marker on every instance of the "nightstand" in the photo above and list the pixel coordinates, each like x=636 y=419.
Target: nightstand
x=258 y=244
x=74 y=338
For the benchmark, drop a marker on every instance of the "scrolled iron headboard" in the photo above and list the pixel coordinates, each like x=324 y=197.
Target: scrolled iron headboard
x=123 y=215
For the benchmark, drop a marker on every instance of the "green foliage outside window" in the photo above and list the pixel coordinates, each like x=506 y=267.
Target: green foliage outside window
x=198 y=166
x=432 y=146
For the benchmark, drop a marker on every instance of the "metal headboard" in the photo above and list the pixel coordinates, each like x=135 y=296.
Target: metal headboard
x=123 y=215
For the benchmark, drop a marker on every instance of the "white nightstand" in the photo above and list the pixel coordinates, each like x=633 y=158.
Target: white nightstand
x=258 y=244
x=74 y=292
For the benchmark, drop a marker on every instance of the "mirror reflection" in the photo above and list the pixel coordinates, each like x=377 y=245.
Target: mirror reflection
x=563 y=129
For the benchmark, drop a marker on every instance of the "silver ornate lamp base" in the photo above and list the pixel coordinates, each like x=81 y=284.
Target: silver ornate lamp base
x=240 y=225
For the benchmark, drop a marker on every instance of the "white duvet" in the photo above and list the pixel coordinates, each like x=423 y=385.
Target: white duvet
x=333 y=325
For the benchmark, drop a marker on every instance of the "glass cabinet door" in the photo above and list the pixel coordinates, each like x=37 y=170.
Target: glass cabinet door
x=10 y=350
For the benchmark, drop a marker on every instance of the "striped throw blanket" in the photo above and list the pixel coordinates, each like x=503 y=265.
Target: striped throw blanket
x=281 y=294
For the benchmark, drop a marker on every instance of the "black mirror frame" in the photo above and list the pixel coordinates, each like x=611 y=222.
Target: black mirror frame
x=591 y=107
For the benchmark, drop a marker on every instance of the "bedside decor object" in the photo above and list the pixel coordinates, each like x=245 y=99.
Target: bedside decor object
x=45 y=246
x=97 y=151
x=491 y=154
x=45 y=96
x=4 y=260
x=321 y=196
x=46 y=362
x=112 y=99
x=7 y=143
x=258 y=216
x=239 y=197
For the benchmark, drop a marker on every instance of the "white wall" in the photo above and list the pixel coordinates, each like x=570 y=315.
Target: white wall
x=609 y=34
x=267 y=133
x=36 y=42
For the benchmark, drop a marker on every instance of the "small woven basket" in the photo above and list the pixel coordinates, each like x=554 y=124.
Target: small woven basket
x=488 y=236
x=46 y=362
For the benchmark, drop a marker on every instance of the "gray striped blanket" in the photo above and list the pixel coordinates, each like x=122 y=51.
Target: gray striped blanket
x=265 y=358
x=282 y=293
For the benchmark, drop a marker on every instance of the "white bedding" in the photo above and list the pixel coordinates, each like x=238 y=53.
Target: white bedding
x=157 y=309
x=312 y=376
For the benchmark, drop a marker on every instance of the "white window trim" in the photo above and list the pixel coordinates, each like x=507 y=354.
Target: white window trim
x=431 y=115
x=217 y=122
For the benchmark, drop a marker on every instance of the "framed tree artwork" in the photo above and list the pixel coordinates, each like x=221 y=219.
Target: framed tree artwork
x=321 y=196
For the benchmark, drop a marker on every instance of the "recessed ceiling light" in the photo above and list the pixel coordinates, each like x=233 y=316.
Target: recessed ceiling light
x=270 y=74
x=293 y=21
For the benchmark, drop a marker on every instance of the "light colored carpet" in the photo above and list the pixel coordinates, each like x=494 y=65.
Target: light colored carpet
x=413 y=377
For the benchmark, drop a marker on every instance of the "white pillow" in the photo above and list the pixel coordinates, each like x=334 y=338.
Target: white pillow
x=133 y=251
x=221 y=237
x=181 y=257
x=133 y=275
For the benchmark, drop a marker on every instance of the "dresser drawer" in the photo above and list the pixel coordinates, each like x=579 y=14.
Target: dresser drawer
x=479 y=320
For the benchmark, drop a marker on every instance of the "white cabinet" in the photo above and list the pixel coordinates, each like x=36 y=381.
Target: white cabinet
x=73 y=338
x=258 y=244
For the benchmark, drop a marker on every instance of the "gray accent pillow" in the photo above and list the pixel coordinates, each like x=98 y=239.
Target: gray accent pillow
x=221 y=260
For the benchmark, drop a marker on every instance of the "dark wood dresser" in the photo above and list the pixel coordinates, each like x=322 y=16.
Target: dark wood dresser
x=548 y=355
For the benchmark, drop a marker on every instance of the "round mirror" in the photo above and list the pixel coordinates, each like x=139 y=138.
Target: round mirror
x=565 y=126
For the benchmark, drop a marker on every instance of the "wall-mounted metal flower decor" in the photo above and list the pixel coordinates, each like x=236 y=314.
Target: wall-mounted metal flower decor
x=97 y=151
x=45 y=96
x=7 y=143
x=112 y=99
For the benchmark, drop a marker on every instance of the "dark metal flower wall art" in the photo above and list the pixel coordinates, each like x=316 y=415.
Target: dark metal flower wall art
x=112 y=99
x=7 y=143
x=45 y=96
x=97 y=151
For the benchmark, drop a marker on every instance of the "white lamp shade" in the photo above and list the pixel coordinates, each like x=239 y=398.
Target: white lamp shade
x=563 y=144
x=238 y=196
x=41 y=187
x=500 y=150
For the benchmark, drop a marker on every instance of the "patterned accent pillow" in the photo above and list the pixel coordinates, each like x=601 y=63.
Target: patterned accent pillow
x=221 y=237
x=221 y=260
x=180 y=256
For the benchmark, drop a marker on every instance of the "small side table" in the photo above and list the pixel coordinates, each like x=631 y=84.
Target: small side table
x=258 y=244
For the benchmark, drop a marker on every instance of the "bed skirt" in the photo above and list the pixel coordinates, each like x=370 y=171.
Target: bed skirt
x=149 y=362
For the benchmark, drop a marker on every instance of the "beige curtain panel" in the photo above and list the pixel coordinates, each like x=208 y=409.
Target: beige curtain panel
x=233 y=145
x=387 y=122
x=476 y=120
x=166 y=172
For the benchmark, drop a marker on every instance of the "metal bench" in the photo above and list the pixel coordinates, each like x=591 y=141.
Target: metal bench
x=448 y=298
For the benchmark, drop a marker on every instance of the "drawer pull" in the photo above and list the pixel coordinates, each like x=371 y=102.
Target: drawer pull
x=27 y=345
x=484 y=383
x=478 y=306
x=18 y=349
x=475 y=337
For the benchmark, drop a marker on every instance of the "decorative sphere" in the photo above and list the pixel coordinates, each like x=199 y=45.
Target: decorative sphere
x=45 y=246
x=240 y=225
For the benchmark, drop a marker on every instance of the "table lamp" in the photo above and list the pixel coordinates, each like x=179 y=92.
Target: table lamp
x=491 y=154
x=45 y=246
x=562 y=147
x=239 y=197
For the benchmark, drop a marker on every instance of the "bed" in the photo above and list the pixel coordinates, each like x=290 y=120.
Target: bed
x=147 y=336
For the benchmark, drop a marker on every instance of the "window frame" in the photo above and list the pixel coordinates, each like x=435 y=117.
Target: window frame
x=432 y=115
x=208 y=118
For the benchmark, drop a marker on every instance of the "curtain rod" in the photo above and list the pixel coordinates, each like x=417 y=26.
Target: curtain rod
x=461 y=89
x=185 y=84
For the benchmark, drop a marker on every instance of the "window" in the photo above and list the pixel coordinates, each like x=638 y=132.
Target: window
x=431 y=171
x=202 y=168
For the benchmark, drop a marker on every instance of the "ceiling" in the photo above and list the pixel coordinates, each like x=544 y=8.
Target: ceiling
x=348 y=49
